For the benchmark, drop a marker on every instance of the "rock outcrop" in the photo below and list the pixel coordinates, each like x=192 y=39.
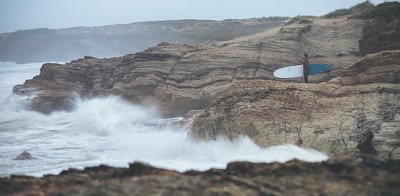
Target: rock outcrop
x=381 y=67
x=352 y=177
x=179 y=78
x=23 y=156
x=358 y=112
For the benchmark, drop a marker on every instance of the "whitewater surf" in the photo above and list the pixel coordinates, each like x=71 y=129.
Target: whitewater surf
x=111 y=131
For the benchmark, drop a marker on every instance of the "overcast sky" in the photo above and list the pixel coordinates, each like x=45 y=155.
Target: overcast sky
x=28 y=14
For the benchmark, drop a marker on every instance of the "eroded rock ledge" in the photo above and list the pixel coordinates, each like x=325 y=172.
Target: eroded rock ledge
x=357 y=112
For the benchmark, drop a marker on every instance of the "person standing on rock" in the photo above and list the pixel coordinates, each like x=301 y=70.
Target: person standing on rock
x=306 y=63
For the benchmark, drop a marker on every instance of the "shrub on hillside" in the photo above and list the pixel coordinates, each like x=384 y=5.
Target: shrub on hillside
x=359 y=8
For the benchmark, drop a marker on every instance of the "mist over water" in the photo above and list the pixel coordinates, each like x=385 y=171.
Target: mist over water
x=111 y=131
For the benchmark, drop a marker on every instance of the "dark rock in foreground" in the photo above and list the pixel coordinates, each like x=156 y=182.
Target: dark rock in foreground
x=361 y=176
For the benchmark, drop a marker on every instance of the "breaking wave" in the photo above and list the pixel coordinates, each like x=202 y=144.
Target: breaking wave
x=115 y=132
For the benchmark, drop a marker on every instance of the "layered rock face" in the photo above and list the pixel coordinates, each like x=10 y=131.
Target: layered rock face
x=381 y=67
x=355 y=112
x=179 y=78
x=358 y=112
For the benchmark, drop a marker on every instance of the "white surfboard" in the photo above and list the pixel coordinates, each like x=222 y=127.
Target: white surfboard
x=289 y=72
x=297 y=70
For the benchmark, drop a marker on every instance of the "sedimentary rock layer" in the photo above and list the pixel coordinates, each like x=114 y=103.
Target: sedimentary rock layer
x=179 y=78
x=357 y=112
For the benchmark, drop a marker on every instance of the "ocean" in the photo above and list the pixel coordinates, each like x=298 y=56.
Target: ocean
x=111 y=131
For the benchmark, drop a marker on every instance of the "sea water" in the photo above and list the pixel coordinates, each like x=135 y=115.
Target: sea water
x=111 y=131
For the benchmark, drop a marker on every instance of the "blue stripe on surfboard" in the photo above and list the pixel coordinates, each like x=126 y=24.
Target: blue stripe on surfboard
x=318 y=68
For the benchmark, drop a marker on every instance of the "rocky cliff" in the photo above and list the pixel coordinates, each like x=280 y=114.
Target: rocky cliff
x=357 y=112
x=354 y=111
x=179 y=78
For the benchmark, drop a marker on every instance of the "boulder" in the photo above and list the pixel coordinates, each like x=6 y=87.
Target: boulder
x=24 y=156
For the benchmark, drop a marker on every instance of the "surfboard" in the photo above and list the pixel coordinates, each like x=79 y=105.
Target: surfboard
x=297 y=70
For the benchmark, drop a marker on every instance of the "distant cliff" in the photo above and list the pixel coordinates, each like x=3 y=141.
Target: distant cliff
x=44 y=45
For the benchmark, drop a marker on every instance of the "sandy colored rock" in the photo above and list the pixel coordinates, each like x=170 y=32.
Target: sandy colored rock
x=381 y=67
x=339 y=120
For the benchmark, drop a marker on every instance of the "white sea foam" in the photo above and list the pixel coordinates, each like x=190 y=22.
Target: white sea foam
x=112 y=131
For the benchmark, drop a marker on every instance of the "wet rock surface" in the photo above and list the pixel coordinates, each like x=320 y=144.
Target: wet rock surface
x=362 y=176
x=23 y=156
